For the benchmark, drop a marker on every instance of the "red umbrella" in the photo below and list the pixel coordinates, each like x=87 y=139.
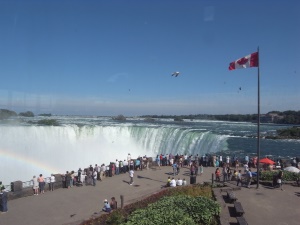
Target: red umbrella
x=267 y=161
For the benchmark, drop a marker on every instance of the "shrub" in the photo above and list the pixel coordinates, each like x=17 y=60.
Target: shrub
x=194 y=210
x=184 y=206
x=287 y=176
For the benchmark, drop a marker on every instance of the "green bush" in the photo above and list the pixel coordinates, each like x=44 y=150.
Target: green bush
x=287 y=176
x=185 y=207
x=180 y=209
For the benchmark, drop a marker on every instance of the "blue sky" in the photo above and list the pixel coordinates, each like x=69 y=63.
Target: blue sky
x=116 y=57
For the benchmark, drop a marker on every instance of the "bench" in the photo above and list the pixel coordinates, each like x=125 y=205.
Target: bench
x=231 y=196
x=238 y=208
x=241 y=221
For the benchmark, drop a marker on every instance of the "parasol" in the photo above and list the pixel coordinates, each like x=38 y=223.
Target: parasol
x=267 y=161
x=292 y=169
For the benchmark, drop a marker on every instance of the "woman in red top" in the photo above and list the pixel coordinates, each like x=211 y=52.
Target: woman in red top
x=217 y=173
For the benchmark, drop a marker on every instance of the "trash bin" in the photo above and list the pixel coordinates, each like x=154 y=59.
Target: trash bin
x=193 y=179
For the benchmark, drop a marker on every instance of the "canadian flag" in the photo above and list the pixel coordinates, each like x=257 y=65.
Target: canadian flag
x=245 y=62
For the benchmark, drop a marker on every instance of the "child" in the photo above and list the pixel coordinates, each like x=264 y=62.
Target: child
x=131 y=172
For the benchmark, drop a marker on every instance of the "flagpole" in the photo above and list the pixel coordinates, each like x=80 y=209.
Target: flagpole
x=258 y=120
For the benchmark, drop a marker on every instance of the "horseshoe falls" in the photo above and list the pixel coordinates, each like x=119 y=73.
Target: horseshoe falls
x=28 y=149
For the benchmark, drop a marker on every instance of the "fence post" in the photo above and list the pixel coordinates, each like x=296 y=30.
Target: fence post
x=122 y=201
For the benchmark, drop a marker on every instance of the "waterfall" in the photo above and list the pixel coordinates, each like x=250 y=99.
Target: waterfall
x=32 y=150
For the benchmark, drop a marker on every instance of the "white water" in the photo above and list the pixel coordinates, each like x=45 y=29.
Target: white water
x=33 y=150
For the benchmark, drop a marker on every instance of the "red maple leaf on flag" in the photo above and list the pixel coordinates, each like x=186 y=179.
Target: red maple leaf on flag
x=242 y=61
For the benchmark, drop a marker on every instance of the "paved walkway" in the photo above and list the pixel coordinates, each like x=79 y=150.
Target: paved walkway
x=71 y=206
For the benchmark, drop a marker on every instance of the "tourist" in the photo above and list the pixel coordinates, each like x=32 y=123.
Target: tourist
x=227 y=160
x=249 y=178
x=68 y=179
x=141 y=163
x=113 y=168
x=168 y=182
x=246 y=168
x=113 y=203
x=108 y=171
x=247 y=159
x=217 y=173
x=131 y=165
x=117 y=167
x=137 y=164
x=106 y=207
x=125 y=166
x=173 y=183
x=192 y=170
x=94 y=177
x=131 y=172
x=179 y=182
x=35 y=185
x=63 y=179
x=72 y=178
x=102 y=171
x=147 y=163
x=41 y=183
x=279 y=179
x=79 y=175
x=3 y=197
x=121 y=169
x=200 y=169
x=237 y=165
x=174 y=169
x=184 y=182
x=239 y=178
x=128 y=158
x=229 y=173
x=52 y=181
x=158 y=161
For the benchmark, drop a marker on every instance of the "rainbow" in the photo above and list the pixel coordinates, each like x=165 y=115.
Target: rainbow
x=38 y=165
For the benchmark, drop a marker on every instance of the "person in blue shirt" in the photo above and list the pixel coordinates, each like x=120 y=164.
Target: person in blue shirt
x=106 y=207
x=137 y=164
x=174 y=169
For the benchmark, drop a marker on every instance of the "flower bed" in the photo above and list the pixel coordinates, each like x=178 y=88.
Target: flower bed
x=192 y=204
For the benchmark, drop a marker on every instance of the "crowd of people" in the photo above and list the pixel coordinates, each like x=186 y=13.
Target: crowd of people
x=227 y=168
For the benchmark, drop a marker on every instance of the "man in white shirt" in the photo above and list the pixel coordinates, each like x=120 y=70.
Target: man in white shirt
x=102 y=171
x=94 y=177
x=52 y=181
x=125 y=166
x=179 y=182
x=117 y=167
x=173 y=183
x=128 y=157
x=131 y=172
